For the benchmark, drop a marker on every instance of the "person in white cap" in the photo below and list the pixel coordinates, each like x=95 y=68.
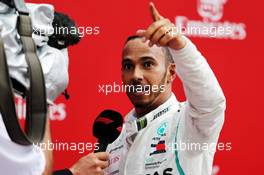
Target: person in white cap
x=151 y=138
x=14 y=158
x=52 y=51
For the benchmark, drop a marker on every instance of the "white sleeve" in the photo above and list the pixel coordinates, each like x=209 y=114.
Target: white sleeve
x=55 y=69
x=205 y=106
x=19 y=159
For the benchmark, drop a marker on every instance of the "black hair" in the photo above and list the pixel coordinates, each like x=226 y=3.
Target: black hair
x=165 y=50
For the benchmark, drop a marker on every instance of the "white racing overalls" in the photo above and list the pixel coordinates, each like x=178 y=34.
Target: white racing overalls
x=175 y=138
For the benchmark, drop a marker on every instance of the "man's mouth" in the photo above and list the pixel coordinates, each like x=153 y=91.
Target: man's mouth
x=139 y=90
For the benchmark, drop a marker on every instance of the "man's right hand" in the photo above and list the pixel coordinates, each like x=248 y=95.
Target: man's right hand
x=162 y=32
x=92 y=164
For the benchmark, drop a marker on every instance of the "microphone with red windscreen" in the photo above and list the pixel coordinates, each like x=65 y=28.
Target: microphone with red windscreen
x=106 y=128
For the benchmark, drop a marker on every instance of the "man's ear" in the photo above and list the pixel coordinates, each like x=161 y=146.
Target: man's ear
x=171 y=75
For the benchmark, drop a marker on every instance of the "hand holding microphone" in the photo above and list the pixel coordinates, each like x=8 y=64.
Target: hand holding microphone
x=106 y=129
x=92 y=164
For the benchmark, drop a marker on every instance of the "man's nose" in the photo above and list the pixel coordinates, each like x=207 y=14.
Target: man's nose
x=137 y=74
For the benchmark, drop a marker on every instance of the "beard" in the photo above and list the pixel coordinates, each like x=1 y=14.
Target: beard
x=152 y=97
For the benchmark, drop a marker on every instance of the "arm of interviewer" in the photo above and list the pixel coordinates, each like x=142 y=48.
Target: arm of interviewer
x=47 y=152
x=91 y=164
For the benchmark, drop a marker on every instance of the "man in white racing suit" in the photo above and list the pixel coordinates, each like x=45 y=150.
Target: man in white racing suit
x=31 y=160
x=154 y=133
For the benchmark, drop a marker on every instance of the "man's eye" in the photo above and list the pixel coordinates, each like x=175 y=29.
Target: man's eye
x=127 y=66
x=148 y=64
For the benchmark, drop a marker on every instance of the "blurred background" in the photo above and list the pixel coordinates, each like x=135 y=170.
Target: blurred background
x=236 y=59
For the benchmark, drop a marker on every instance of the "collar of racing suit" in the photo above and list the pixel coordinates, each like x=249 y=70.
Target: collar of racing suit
x=134 y=125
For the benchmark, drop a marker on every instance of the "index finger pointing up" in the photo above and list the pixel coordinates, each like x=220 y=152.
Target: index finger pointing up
x=154 y=12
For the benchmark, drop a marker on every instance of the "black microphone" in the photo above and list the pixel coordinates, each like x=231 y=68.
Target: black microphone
x=106 y=128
